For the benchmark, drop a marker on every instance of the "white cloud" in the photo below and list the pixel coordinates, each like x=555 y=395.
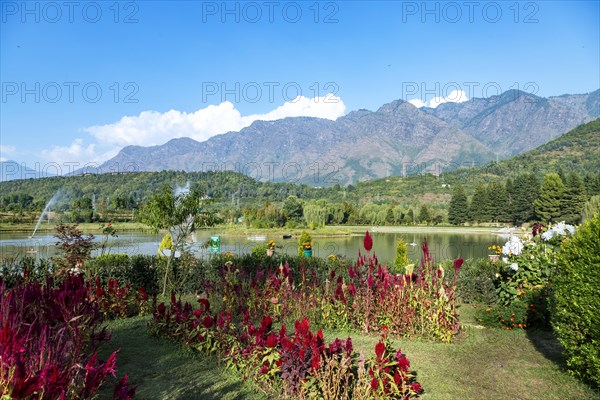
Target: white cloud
x=455 y=96
x=5 y=149
x=76 y=152
x=152 y=127
x=418 y=103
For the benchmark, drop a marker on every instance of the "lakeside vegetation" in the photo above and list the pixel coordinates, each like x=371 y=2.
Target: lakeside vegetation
x=502 y=192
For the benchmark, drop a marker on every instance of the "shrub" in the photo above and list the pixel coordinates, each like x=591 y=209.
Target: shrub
x=48 y=342
x=74 y=246
x=576 y=301
x=299 y=365
x=14 y=271
x=304 y=238
x=401 y=259
x=525 y=275
x=138 y=270
x=475 y=281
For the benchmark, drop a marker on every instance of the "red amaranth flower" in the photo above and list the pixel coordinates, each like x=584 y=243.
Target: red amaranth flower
x=537 y=229
x=272 y=340
x=368 y=241
x=370 y=281
x=416 y=387
x=208 y=322
x=374 y=383
x=457 y=264
x=265 y=324
x=351 y=289
x=403 y=363
x=379 y=349
x=205 y=304
x=124 y=390
x=315 y=362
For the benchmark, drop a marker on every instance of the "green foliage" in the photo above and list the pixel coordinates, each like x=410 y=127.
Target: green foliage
x=475 y=281
x=138 y=270
x=304 y=238
x=180 y=214
x=479 y=210
x=13 y=271
x=574 y=199
x=524 y=191
x=575 y=303
x=401 y=259
x=524 y=280
x=293 y=209
x=75 y=248
x=549 y=203
x=165 y=244
x=424 y=214
x=458 y=210
x=591 y=208
x=529 y=309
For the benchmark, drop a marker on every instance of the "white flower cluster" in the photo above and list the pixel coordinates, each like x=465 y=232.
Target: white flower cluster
x=560 y=229
x=514 y=246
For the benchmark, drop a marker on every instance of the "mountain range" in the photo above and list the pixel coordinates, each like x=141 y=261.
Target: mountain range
x=397 y=139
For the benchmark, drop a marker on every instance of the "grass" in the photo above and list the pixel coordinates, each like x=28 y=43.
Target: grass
x=486 y=363
x=242 y=230
x=86 y=227
x=483 y=363
x=163 y=370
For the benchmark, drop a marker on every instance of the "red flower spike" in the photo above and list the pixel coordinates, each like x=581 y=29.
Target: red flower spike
x=316 y=361
x=348 y=346
x=374 y=383
x=351 y=289
x=404 y=364
x=457 y=264
x=368 y=241
x=123 y=390
x=416 y=387
x=208 y=322
x=379 y=350
x=272 y=340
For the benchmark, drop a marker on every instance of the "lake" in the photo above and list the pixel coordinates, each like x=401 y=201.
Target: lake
x=441 y=245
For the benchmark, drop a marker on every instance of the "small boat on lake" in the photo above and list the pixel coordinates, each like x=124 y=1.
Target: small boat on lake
x=287 y=236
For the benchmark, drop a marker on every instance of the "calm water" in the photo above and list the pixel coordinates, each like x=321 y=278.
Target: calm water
x=441 y=245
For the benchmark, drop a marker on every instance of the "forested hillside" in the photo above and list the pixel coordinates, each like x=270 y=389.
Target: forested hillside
x=498 y=192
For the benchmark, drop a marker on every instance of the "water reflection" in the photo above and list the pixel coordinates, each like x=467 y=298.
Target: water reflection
x=441 y=245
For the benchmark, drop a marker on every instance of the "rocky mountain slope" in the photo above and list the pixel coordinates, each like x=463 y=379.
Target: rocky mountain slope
x=397 y=139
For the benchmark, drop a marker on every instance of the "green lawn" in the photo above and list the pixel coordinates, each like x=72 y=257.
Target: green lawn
x=165 y=371
x=482 y=364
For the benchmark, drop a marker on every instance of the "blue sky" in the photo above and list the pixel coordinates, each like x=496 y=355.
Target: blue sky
x=82 y=80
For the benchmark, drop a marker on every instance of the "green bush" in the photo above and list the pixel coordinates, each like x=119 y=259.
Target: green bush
x=401 y=259
x=14 y=270
x=305 y=237
x=475 y=282
x=527 y=310
x=575 y=305
x=138 y=270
